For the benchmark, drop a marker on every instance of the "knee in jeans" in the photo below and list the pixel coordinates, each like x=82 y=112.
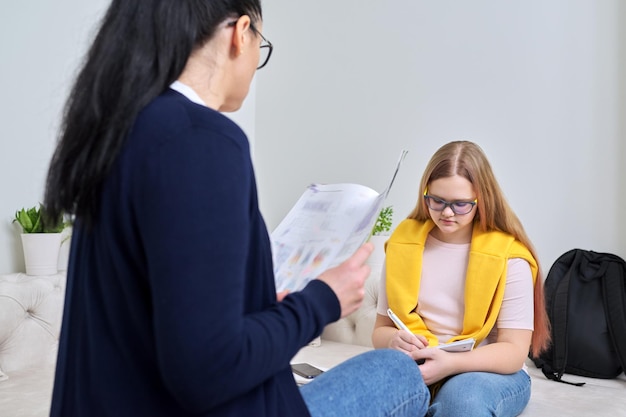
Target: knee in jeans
x=399 y=366
x=466 y=405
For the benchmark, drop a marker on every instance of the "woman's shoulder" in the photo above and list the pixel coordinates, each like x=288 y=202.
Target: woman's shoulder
x=171 y=115
x=172 y=105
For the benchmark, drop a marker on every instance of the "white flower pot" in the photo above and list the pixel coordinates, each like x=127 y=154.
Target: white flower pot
x=41 y=253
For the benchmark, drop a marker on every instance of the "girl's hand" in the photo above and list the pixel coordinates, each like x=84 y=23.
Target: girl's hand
x=437 y=365
x=407 y=342
x=281 y=295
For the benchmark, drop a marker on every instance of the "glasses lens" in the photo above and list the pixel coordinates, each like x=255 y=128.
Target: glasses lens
x=462 y=207
x=435 y=203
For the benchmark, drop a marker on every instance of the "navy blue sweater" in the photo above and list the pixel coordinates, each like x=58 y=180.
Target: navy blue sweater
x=171 y=306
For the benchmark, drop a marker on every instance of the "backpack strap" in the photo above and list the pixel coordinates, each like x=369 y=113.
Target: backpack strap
x=614 y=293
x=559 y=323
x=559 y=310
x=559 y=319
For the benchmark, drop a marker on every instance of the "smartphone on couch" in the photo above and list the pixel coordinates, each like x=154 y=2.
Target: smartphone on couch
x=305 y=370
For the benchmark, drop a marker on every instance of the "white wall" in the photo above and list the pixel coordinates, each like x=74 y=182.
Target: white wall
x=41 y=43
x=621 y=111
x=538 y=84
x=41 y=46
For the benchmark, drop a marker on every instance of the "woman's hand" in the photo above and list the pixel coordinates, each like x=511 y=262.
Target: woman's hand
x=280 y=296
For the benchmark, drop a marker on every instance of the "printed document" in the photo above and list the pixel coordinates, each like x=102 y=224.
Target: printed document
x=324 y=228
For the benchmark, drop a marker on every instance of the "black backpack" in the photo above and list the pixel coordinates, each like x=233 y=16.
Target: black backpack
x=586 y=303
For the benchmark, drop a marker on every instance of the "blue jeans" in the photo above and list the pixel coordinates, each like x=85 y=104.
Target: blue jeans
x=376 y=383
x=480 y=394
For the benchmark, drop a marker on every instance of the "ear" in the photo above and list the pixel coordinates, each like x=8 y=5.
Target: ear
x=238 y=41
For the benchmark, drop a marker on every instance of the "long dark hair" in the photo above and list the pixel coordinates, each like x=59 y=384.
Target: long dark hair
x=141 y=47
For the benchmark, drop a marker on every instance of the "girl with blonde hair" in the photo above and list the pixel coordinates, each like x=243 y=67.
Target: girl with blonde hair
x=461 y=267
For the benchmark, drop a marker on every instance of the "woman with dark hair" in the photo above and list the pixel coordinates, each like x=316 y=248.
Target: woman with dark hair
x=461 y=267
x=171 y=307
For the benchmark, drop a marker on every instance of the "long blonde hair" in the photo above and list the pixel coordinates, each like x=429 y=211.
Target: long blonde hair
x=468 y=160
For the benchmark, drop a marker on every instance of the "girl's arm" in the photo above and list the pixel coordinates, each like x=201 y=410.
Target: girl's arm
x=505 y=356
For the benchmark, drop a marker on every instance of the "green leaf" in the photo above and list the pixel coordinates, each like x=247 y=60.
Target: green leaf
x=24 y=220
x=32 y=221
x=384 y=221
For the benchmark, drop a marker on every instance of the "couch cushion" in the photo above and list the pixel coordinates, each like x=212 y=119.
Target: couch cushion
x=356 y=329
x=30 y=319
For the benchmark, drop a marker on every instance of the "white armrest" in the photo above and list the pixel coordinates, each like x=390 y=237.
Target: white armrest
x=31 y=308
x=356 y=329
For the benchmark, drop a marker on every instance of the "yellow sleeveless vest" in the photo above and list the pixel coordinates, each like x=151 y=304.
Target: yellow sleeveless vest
x=484 y=285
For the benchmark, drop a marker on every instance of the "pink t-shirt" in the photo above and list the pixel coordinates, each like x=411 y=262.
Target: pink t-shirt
x=441 y=297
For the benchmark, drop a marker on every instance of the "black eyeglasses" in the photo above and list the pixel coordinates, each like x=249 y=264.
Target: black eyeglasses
x=457 y=207
x=266 y=46
x=266 y=49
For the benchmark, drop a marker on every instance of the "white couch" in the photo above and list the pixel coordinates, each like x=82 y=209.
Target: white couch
x=30 y=314
x=30 y=320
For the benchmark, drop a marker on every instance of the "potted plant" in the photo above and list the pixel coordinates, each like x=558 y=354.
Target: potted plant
x=383 y=222
x=380 y=234
x=41 y=241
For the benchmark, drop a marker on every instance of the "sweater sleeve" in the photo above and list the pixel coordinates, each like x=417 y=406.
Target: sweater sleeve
x=198 y=232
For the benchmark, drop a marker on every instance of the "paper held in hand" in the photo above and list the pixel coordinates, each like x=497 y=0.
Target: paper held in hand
x=324 y=228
